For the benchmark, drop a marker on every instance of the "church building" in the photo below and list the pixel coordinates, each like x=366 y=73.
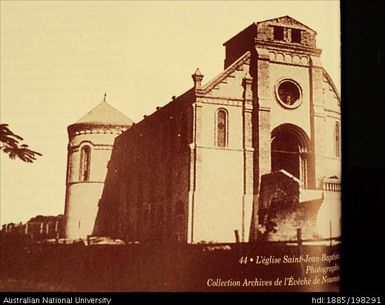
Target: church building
x=207 y=166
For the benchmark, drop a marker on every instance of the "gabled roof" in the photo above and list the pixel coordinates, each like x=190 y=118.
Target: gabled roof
x=105 y=114
x=287 y=20
x=224 y=74
x=284 y=20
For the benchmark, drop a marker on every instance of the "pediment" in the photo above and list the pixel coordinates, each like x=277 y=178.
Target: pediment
x=288 y=22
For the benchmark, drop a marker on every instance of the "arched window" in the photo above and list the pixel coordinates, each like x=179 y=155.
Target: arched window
x=221 y=127
x=337 y=139
x=85 y=163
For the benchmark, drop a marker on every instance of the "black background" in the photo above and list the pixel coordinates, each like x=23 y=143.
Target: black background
x=363 y=117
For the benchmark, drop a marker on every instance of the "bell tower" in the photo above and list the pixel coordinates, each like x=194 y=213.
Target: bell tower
x=296 y=113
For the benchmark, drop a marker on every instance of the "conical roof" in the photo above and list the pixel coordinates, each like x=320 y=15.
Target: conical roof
x=105 y=114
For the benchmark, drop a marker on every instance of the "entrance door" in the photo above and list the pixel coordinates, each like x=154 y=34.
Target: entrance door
x=286 y=153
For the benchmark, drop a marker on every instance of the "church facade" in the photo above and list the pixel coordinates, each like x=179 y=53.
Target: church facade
x=192 y=171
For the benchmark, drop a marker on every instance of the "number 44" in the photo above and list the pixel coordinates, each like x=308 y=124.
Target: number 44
x=243 y=260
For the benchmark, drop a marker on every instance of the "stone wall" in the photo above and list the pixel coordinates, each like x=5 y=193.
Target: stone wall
x=146 y=190
x=281 y=212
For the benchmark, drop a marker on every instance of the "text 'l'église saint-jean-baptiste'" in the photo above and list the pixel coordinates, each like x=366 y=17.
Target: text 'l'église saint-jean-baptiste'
x=56 y=300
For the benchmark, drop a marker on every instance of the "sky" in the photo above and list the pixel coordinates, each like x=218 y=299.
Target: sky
x=58 y=58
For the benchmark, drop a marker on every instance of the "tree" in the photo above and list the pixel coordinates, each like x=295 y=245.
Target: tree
x=10 y=144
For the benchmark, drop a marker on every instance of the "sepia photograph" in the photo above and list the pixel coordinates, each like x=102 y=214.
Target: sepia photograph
x=170 y=146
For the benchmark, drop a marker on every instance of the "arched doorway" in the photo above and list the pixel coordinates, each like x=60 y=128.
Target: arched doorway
x=290 y=151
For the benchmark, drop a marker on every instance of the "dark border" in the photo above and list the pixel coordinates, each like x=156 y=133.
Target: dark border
x=363 y=117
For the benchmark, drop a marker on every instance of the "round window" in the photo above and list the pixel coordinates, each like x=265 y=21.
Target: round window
x=289 y=93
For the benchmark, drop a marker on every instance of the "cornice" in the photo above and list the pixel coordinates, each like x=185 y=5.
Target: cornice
x=78 y=129
x=225 y=74
x=284 y=47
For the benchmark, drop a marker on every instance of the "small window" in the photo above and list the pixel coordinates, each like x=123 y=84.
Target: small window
x=278 y=33
x=221 y=128
x=295 y=36
x=337 y=139
x=85 y=163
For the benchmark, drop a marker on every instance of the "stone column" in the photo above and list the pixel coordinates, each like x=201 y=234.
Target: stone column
x=317 y=105
x=261 y=126
x=263 y=97
x=248 y=152
x=196 y=127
